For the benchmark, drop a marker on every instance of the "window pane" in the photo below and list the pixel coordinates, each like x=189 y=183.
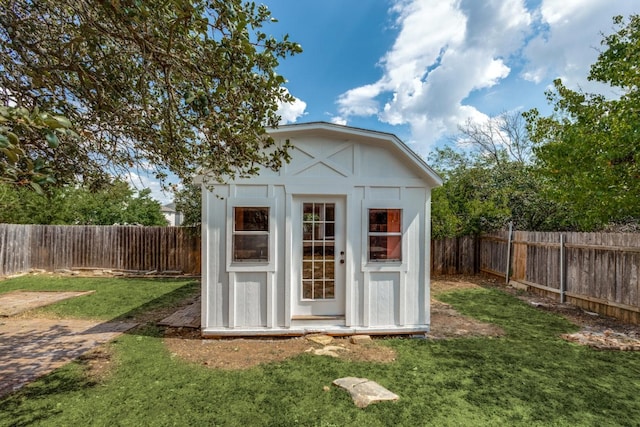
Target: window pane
x=251 y=247
x=385 y=220
x=385 y=248
x=251 y=219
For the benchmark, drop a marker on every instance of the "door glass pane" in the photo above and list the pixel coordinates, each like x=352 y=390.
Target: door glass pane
x=318 y=290
x=329 y=289
x=329 y=270
x=329 y=230
x=318 y=231
x=318 y=266
x=318 y=270
x=307 y=270
x=307 y=289
x=329 y=251
x=330 y=212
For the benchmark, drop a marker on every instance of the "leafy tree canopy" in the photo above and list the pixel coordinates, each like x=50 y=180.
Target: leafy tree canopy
x=589 y=148
x=178 y=85
x=189 y=203
x=489 y=180
x=28 y=143
x=113 y=203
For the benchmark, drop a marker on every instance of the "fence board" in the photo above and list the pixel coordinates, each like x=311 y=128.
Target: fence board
x=601 y=270
x=53 y=247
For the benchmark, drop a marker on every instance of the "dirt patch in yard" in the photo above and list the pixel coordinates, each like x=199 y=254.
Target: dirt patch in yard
x=245 y=353
x=446 y=322
x=596 y=331
x=12 y=303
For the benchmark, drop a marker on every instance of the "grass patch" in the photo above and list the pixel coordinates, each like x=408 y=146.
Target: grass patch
x=114 y=298
x=530 y=377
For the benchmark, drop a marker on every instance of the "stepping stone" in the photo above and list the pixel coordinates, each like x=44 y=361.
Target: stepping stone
x=360 y=339
x=328 y=350
x=365 y=392
x=320 y=339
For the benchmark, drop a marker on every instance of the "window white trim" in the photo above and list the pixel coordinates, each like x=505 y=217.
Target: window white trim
x=367 y=265
x=251 y=265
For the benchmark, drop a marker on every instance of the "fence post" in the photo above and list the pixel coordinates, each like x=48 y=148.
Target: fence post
x=508 y=270
x=563 y=285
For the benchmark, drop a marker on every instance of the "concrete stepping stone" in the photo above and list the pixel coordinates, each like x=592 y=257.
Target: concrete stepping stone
x=365 y=392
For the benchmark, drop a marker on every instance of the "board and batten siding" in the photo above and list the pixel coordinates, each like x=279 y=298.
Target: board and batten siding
x=361 y=173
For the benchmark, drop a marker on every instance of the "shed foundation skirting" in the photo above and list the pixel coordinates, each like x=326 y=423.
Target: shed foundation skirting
x=300 y=331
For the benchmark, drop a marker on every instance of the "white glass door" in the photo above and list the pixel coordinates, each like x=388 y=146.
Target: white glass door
x=320 y=252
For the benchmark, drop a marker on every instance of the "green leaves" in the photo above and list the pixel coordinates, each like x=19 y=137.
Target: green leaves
x=22 y=150
x=589 y=148
x=175 y=85
x=52 y=139
x=114 y=202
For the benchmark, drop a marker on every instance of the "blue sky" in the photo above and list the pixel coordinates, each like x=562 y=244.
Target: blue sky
x=420 y=68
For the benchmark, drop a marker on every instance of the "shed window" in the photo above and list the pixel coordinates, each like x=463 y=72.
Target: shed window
x=385 y=235
x=250 y=234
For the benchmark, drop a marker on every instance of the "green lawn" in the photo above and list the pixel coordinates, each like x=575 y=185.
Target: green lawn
x=114 y=298
x=528 y=377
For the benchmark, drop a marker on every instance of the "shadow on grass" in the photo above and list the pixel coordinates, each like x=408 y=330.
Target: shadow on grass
x=34 y=351
x=151 y=312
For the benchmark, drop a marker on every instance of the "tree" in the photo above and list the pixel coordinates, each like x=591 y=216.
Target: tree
x=28 y=143
x=114 y=203
x=189 y=203
x=504 y=138
x=179 y=85
x=489 y=180
x=588 y=149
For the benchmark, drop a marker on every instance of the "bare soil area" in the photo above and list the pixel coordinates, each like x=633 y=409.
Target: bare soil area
x=446 y=322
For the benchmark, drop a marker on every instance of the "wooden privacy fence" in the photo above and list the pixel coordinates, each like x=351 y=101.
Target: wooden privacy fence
x=599 y=272
x=124 y=248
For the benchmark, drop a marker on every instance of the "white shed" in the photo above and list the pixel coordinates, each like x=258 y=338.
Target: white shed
x=337 y=241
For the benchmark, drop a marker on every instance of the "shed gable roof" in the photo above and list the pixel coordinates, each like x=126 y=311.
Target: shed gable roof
x=338 y=158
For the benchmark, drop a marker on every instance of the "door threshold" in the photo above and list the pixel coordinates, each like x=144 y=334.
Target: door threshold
x=318 y=317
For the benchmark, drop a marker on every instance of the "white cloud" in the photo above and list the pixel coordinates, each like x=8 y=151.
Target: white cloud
x=360 y=101
x=444 y=51
x=570 y=39
x=339 y=120
x=291 y=112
